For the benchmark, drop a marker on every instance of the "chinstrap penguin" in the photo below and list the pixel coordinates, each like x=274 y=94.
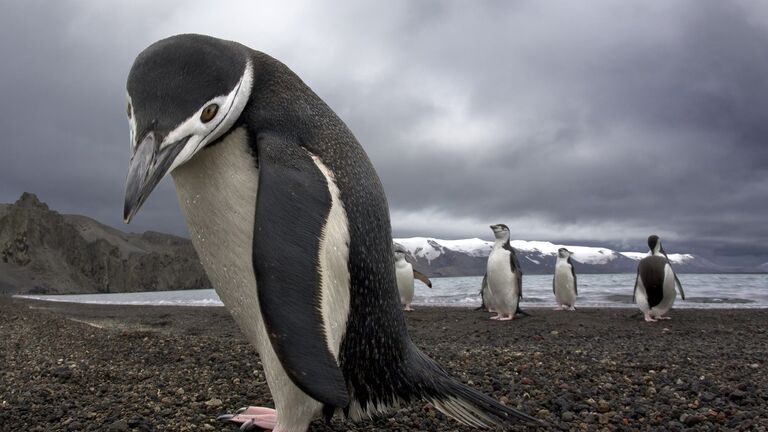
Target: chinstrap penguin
x=656 y=282
x=292 y=226
x=405 y=274
x=504 y=277
x=564 y=284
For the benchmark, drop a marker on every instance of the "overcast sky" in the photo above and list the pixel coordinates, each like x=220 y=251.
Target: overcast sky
x=594 y=122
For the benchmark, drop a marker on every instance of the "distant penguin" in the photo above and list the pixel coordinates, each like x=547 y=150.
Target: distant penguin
x=505 y=277
x=291 y=224
x=564 y=282
x=405 y=274
x=655 y=283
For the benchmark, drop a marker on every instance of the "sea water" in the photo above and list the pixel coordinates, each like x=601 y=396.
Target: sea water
x=595 y=290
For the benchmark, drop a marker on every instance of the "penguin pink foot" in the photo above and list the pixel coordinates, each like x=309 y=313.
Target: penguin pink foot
x=506 y=317
x=572 y=308
x=664 y=318
x=408 y=308
x=495 y=317
x=252 y=418
x=649 y=318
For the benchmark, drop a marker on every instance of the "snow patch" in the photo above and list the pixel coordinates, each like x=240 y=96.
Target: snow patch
x=674 y=258
x=431 y=248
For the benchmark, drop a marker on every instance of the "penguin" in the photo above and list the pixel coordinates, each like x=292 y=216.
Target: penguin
x=291 y=224
x=406 y=274
x=504 y=277
x=564 y=284
x=656 y=282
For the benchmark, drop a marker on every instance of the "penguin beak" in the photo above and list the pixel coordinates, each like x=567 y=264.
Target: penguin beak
x=148 y=166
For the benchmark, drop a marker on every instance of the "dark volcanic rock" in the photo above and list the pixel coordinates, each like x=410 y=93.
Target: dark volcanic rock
x=42 y=251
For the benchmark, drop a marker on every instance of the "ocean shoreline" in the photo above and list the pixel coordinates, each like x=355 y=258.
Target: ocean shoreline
x=70 y=366
x=524 y=304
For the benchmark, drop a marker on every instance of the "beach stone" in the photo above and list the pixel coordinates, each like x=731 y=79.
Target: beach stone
x=737 y=395
x=118 y=426
x=63 y=374
x=603 y=406
x=567 y=416
x=692 y=420
x=707 y=396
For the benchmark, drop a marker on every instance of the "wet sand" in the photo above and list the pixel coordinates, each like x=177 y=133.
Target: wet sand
x=72 y=367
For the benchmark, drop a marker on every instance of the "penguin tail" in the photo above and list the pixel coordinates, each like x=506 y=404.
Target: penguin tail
x=521 y=312
x=463 y=403
x=472 y=408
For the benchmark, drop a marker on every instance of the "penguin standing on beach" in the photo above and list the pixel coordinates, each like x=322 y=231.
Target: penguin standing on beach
x=504 y=277
x=656 y=282
x=291 y=224
x=564 y=282
x=405 y=275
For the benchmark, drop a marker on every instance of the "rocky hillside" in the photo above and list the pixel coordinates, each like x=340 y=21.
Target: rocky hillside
x=42 y=251
x=468 y=257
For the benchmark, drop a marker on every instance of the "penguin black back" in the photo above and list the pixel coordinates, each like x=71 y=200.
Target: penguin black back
x=652 y=271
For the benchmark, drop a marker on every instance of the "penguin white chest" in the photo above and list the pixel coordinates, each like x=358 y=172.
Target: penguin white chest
x=217 y=192
x=564 y=284
x=502 y=281
x=404 y=274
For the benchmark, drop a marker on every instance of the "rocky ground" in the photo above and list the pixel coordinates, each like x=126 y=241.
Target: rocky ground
x=85 y=367
x=45 y=252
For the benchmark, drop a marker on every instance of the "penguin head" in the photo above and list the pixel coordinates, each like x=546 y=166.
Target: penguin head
x=399 y=250
x=654 y=243
x=184 y=93
x=564 y=253
x=500 y=231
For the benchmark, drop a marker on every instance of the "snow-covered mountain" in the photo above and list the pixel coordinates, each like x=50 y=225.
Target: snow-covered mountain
x=467 y=257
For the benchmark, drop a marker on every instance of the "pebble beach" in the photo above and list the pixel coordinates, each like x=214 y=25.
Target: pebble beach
x=79 y=367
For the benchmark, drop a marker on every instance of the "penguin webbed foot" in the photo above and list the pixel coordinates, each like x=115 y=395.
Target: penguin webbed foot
x=663 y=318
x=251 y=419
x=649 y=318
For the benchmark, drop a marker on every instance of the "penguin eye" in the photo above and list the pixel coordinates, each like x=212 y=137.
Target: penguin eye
x=209 y=113
x=128 y=110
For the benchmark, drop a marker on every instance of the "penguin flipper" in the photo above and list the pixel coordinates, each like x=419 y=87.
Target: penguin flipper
x=420 y=276
x=517 y=269
x=573 y=273
x=483 y=285
x=679 y=287
x=634 y=291
x=677 y=281
x=292 y=205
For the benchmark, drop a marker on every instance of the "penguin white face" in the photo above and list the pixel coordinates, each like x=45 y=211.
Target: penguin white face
x=184 y=93
x=399 y=250
x=500 y=231
x=564 y=253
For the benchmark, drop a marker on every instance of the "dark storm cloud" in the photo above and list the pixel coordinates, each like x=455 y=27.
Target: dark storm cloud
x=597 y=124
